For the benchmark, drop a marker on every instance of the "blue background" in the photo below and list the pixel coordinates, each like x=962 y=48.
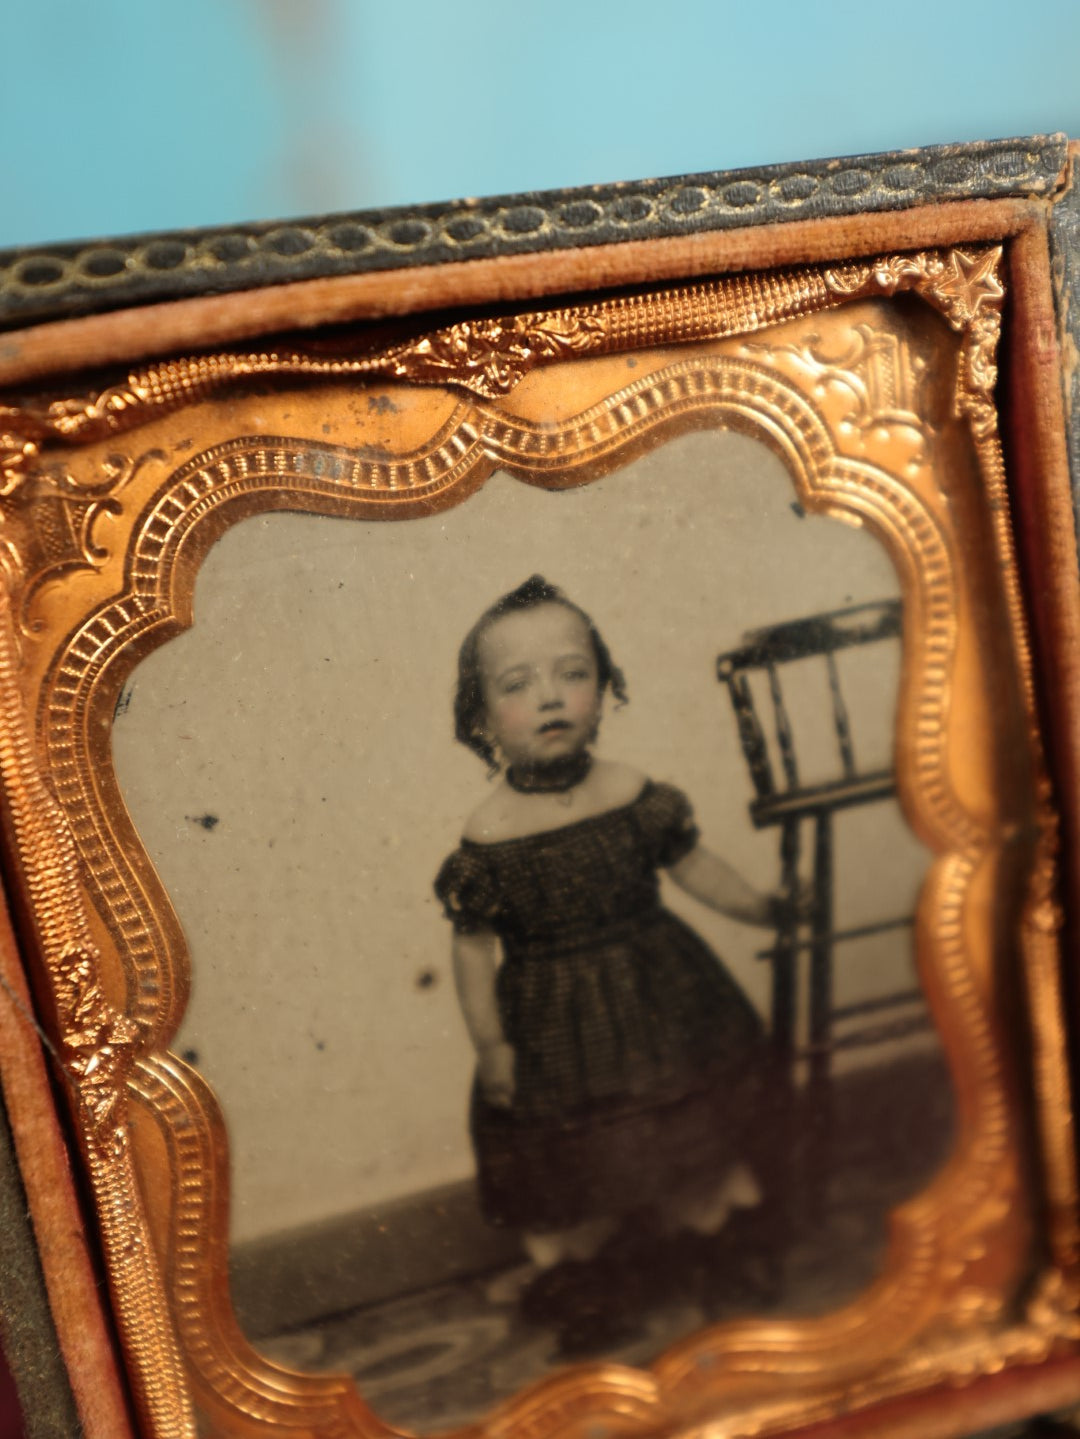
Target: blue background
x=120 y=117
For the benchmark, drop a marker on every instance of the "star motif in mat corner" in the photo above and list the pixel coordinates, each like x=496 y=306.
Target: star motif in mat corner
x=972 y=280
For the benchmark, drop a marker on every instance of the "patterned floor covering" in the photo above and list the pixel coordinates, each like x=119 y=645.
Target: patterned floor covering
x=444 y=1357
x=439 y=1358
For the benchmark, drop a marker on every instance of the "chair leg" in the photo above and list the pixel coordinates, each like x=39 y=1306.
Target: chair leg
x=819 y=1134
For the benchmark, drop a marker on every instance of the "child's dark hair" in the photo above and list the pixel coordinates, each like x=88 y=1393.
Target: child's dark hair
x=469 y=705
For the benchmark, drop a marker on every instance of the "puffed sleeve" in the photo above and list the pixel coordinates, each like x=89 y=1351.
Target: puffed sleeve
x=667 y=824
x=467 y=889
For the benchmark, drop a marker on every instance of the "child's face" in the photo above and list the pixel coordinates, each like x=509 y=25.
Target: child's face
x=541 y=692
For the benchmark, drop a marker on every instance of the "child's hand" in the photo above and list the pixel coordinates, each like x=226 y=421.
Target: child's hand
x=804 y=899
x=495 y=1069
x=796 y=903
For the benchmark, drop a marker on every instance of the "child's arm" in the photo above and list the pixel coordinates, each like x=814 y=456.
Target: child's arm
x=712 y=881
x=475 y=961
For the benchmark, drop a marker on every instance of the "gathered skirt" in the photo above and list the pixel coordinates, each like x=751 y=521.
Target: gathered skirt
x=642 y=1073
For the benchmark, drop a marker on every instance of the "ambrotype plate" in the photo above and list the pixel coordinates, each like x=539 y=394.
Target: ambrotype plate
x=585 y=763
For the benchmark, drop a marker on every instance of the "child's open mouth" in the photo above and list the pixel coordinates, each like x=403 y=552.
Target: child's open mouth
x=553 y=726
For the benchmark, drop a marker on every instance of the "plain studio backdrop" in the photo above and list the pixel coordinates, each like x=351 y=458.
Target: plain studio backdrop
x=312 y=784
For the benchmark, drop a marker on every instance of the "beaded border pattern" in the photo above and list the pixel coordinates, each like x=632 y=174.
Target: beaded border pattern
x=58 y=281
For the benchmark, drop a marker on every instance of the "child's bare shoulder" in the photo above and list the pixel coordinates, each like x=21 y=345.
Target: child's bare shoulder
x=490 y=821
x=616 y=784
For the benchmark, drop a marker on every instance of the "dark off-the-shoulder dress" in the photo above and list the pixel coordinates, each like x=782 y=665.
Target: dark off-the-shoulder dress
x=639 y=1062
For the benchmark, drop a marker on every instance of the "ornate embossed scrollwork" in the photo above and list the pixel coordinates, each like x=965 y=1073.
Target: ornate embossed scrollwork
x=98 y=1045
x=487 y=357
x=490 y=356
x=51 y=522
x=964 y=286
x=95 y=1047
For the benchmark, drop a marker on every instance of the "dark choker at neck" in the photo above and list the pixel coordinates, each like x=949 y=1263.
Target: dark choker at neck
x=550 y=776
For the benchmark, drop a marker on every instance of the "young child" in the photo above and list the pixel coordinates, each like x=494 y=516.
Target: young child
x=619 y=1064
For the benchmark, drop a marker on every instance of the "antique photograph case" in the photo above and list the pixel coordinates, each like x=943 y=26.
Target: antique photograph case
x=537 y=834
